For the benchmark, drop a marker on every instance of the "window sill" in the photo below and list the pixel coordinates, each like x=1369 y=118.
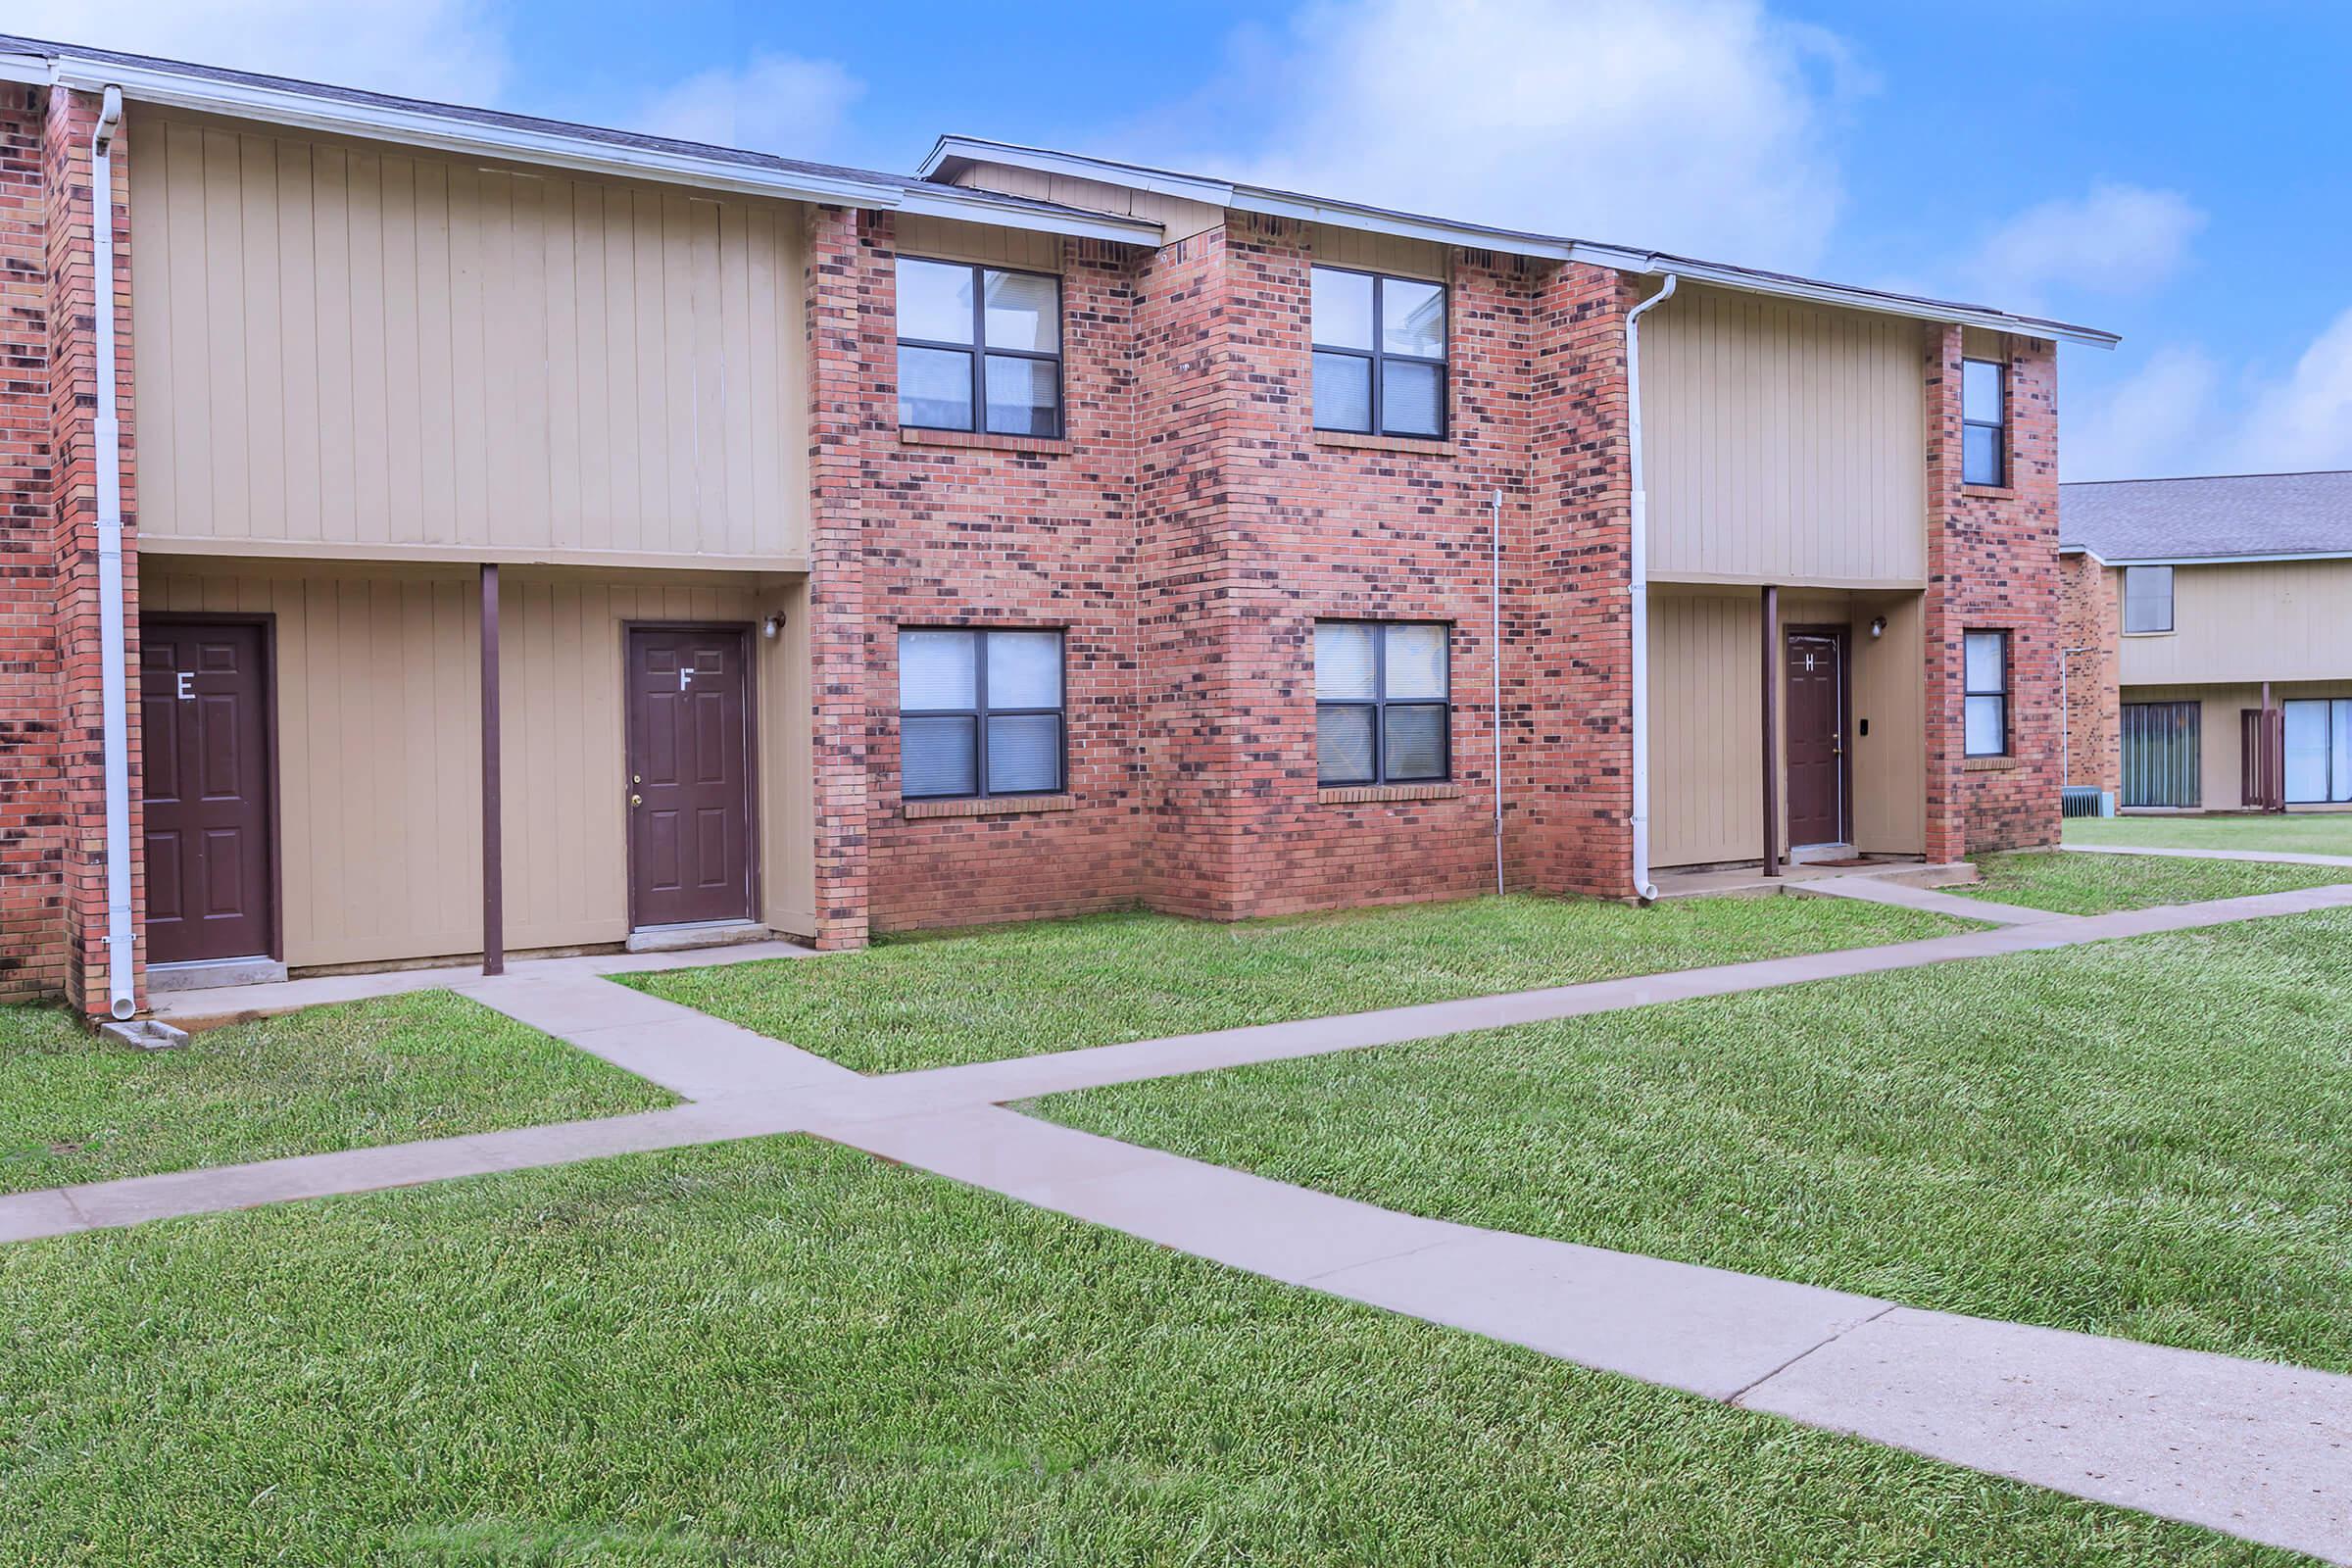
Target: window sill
x=1418 y=445
x=993 y=805
x=1376 y=793
x=2169 y=631
x=1987 y=765
x=984 y=441
x=1989 y=492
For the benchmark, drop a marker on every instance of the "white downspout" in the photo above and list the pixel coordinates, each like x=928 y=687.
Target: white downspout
x=1638 y=586
x=107 y=454
x=1495 y=657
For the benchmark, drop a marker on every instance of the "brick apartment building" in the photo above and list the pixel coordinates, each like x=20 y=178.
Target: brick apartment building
x=539 y=537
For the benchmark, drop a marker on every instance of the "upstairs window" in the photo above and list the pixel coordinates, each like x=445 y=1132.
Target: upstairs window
x=1983 y=422
x=979 y=349
x=2147 y=598
x=980 y=713
x=1985 y=718
x=1381 y=711
x=1380 y=354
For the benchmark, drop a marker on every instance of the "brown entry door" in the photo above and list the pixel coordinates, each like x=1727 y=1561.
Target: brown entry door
x=204 y=695
x=690 y=784
x=1816 y=669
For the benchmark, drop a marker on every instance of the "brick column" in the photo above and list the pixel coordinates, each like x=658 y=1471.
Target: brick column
x=840 y=277
x=74 y=300
x=1992 y=565
x=32 y=938
x=2089 y=619
x=1576 y=833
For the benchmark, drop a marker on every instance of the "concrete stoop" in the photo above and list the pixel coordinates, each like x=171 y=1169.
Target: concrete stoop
x=705 y=934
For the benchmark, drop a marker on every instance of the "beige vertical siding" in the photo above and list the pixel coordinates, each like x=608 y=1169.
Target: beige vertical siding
x=1381 y=253
x=788 y=762
x=341 y=345
x=378 y=712
x=949 y=240
x=1706 y=743
x=2266 y=620
x=1783 y=443
x=1890 y=762
x=1706 y=722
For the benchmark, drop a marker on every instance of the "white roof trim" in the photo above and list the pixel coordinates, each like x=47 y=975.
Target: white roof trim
x=420 y=126
x=1476 y=236
x=2214 y=560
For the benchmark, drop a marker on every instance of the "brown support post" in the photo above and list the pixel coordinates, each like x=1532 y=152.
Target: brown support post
x=2274 y=754
x=494 y=892
x=1772 y=690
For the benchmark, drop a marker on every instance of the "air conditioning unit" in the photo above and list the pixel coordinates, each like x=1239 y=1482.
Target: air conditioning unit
x=2087 y=800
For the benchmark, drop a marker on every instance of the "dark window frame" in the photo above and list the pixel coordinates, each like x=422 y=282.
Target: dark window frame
x=981 y=713
x=1379 y=703
x=1999 y=427
x=979 y=350
x=2001 y=692
x=2171 y=601
x=1378 y=356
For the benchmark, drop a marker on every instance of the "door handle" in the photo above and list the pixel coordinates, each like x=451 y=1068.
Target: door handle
x=636 y=799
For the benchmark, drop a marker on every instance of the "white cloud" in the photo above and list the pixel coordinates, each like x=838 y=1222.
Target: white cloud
x=455 y=51
x=2180 y=414
x=1701 y=126
x=771 y=103
x=2305 y=421
x=2159 y=422
x=2117 y=239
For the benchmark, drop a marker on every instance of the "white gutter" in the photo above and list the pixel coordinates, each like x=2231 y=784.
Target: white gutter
x=106 y=434
x=422 y=124
x=1637 y=585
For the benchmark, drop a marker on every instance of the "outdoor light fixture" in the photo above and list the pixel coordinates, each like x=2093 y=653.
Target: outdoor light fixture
x=1878 y=628
x=772 y=626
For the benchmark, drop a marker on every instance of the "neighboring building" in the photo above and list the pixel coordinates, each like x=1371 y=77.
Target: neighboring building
x=842 y=551
x=2196 y=605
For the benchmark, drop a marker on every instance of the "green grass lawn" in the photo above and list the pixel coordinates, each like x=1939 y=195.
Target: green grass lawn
x=2150 y=1138
x=782 y=1352
x=78 y=1107
x=2096 y=884
x=1015 y=991
x=2303 y=833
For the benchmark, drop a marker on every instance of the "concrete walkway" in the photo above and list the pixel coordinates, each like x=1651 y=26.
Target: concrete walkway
x=2254 y=1448
x=2271 y=857
x=1958 y=906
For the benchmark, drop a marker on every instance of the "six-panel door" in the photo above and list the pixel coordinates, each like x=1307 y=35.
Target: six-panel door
x=204 y=695
x=689 y=788
x=1816 y=739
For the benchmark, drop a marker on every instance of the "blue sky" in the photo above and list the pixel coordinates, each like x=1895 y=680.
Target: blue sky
x=2173 y=172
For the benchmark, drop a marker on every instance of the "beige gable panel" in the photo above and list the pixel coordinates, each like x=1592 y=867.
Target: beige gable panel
x=1783 y=443
x=1180 y=219
x=359 y=346
x=2263 y=620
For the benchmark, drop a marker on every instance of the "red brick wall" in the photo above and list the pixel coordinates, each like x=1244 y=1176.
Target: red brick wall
x=2088 y=619
x=1992 y=565
x=987 y=532
x=33 y=936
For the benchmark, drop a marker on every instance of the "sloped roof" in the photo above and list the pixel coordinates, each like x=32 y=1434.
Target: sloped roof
x=2215 y=516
